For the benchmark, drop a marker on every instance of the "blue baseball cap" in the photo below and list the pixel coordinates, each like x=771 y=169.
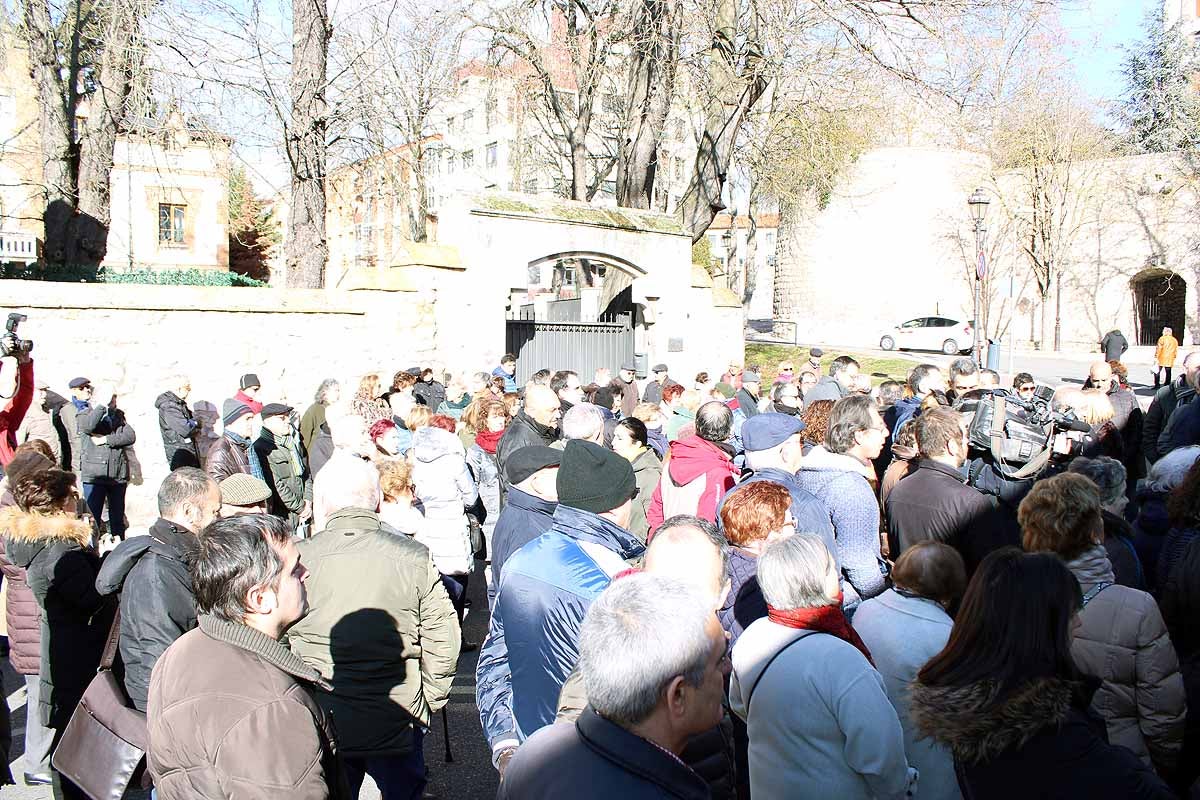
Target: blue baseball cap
x=764 y=431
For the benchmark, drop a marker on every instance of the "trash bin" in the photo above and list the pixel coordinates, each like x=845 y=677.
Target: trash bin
x=993 y=355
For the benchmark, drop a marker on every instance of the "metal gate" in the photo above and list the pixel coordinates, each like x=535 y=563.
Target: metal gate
x=1160 y=301
x=580 y=346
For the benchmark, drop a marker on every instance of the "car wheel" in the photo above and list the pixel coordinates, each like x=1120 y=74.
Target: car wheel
x=949 y=347
x=887 y=343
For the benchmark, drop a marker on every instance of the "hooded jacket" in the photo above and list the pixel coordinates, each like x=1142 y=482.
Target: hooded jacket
x=157 y=605
x=60 y=566
x=179 y=431
x=1123 y=640
x=233 y=716
x=1038 y=742
x=106 y=461
x=443 y=482
x=380 y=627
x=842 y=484
x=698 y=473
x=533 y=639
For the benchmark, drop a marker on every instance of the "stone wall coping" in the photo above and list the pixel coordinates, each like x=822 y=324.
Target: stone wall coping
x=700 y=277
x=571 y=212
x=143 y=297
x=725 y=298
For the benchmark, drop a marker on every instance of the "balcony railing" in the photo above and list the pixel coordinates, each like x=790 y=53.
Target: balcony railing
x=15 y=246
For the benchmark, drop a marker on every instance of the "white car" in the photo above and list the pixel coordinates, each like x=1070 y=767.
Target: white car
x=950 y=336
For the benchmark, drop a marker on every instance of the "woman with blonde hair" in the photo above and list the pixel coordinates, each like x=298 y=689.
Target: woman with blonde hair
x=398 y=509
x=366 y=402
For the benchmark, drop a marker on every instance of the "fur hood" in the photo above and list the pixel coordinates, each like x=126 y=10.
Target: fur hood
x=976 y=727
x=29 y=527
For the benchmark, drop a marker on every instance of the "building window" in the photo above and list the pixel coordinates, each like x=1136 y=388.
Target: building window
x=608 y=189
x=770 y=239
x=170 y=223
x=490 y=155
x=468 y=159
x=468 y=121
x=678 y=168
x=612 y=103
x=531 y=186
x=489 y=113
x=450 y=164
x=450 y=125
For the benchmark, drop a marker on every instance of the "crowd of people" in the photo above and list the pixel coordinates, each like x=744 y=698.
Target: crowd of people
x=916 y=616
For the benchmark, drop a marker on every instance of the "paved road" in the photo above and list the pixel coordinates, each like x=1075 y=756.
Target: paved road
x=469 y=776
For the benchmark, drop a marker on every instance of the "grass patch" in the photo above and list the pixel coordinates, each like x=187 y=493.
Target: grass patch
x=766 y=358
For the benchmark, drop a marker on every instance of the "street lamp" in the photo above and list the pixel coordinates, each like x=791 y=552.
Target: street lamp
x=727 y=241
x=978 y=203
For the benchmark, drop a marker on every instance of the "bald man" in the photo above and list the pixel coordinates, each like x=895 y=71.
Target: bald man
x=689 y=549
x=535 y=424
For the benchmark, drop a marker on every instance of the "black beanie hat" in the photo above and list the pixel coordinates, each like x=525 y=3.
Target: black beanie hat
x=593 y=479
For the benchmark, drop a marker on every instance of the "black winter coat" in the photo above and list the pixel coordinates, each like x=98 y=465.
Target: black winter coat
x=106 y=462
x=179 y=431
x=60 y=564
x=157 y=604
x=521 y=432
x=432 y=392
x=1040 y=743
x=934 y=503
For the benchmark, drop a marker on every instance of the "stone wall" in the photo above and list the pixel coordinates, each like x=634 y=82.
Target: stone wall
x=135 y=338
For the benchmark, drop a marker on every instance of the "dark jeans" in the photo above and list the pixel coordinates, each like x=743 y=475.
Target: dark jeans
x=456 y=587
x=399 y=777
x=97 y=494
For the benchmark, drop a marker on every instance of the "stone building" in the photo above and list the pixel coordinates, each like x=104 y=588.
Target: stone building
x=20 y=158
x=169 y=198
x=894 y=241
x=169 y=185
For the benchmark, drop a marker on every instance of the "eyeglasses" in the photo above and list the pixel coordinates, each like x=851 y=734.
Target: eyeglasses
x=1027 y=389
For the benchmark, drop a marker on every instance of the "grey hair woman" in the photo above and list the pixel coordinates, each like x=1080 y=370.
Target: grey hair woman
x=823 y=717
x=1109 y=476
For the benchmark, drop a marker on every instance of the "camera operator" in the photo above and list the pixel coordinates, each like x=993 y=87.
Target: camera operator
x=14 y=412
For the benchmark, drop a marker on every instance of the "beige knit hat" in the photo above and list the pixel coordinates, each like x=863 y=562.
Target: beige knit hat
x=241 y=489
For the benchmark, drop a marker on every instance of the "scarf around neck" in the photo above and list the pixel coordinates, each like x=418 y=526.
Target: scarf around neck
x=823 y=619
x=489 y=440
x=791 y=411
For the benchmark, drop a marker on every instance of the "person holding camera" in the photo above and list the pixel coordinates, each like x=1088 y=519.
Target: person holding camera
x=14 y=412
x=104 y=439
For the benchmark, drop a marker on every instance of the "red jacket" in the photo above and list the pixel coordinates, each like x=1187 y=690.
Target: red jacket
x=14 y=413
x=249 y=401
x=697 y=475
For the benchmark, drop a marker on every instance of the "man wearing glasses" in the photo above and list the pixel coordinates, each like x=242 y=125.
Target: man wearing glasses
x=1024 y=385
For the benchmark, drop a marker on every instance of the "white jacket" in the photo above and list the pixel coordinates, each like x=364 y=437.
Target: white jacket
x=444 y=484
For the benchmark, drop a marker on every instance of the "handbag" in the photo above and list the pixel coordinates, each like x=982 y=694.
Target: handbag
x=104 y=743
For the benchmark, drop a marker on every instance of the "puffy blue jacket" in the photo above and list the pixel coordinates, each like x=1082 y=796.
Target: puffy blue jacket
x=510 y=379
x=533 y=641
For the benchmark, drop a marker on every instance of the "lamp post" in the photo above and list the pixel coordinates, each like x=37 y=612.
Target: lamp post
x=727 y=241
x=978 y=203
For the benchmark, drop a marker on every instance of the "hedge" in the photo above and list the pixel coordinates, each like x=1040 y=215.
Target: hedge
x=157 y=277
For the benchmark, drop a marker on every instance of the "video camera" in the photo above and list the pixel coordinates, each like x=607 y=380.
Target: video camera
x=10 y=344
x=1019 y=437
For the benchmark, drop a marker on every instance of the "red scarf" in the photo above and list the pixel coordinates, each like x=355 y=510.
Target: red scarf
x=489 y=440
x=825 y=619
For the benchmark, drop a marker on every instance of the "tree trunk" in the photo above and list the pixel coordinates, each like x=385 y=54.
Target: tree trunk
x=108 y=113
x=308 y=250
x=735 y=90
x=579 y=163
x=1047 y=333
x=648 y=95
x=60 y=155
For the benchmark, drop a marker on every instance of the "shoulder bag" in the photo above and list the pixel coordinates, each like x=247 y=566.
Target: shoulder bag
x=104 y=744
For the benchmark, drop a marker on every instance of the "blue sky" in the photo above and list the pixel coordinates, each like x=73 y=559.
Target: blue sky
x=1100 y=29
